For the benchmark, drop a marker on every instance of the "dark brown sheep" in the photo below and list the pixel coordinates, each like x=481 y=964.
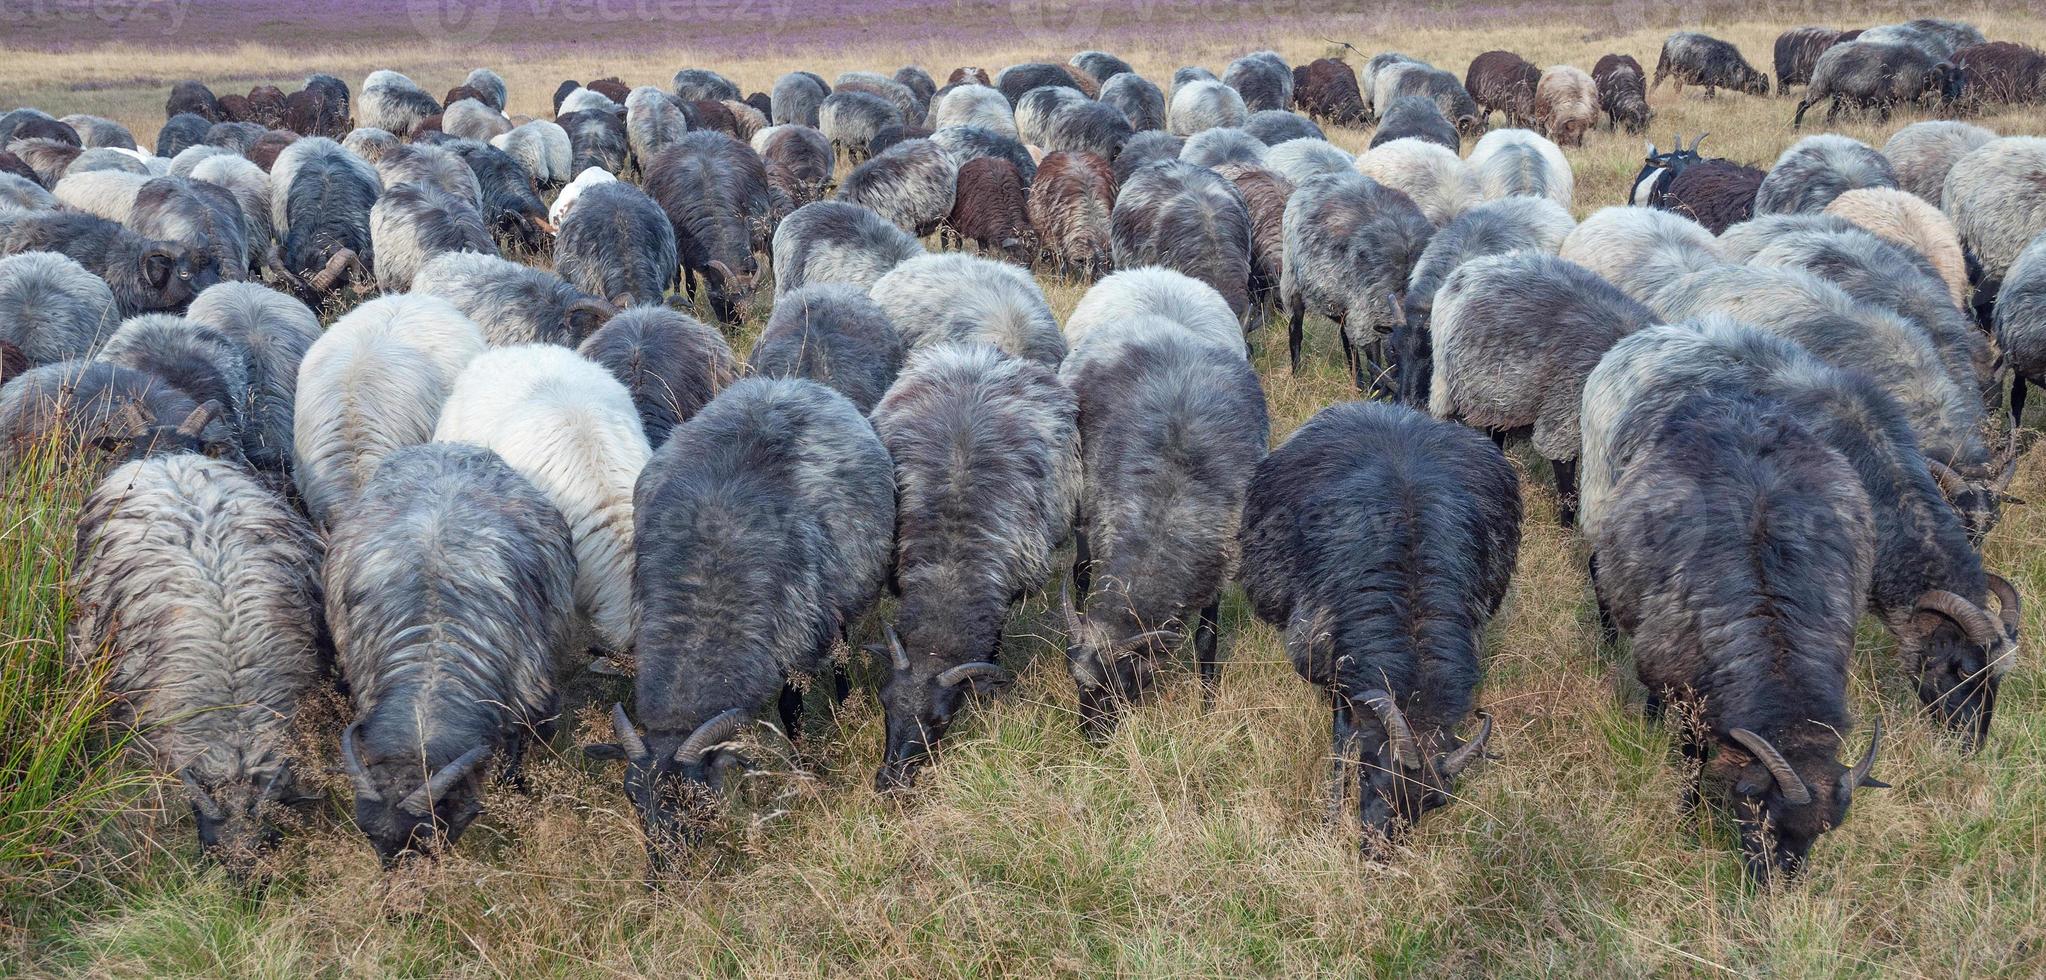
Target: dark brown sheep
x=611 y=88
x=1715 y=193
x=1326 y=89
x=1071 y=202
x=1622 y=92
x=266 y=106
x=1505 y=82
x=236 y=108
x=263 y=152
x=712 y=114
x=970 y=75
x=988 y=208
x=2001 y=72
x=460 y=92
x=192 y=97
x=1266 y=194
x=1087 y=84
x=1798 y=50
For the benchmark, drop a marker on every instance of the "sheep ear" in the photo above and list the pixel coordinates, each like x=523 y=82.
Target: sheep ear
x=157 y=264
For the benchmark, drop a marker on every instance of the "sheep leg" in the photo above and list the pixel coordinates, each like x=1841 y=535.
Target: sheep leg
x=1293 y=331
x=1341 y=743
x=1498 y=438
x=689 y=282
x=1565 y=471
x=1833 y=111
x=1082 y=567
x=2017 y=400
x=791 y=707
x=1204 y=650
x=1608 y=634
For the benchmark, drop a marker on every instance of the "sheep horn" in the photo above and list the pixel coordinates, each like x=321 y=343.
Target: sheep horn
x=897 y=656
x=1397 y=731
x=709 y=734
x=1130 y=645
x=2007 y=602
x=1453 y=764
x=1859 y=775
x=195 y=423
x=325 y=279
x=1700 y=139
x=544 y=225
x=357 y=775
x=1973 y=619
x=1073 y=618
x=969 y=672
x=1787 y=779
x=2010 y=462
x=202 y=801
x=627 y=736
x=1951 y=484
x=437 y=785
x=724 y=271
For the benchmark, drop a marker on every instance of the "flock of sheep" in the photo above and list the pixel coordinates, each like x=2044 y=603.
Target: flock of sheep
x=1767 y=411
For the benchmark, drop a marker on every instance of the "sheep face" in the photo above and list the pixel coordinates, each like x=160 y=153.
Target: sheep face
x=402 y=814
x=1754 y=82
x=1782 y=807
x=230 y=816
x=203 y=432
x=1961 y=655
x=920 y=699
x=164 y=276
x=731 y=290
x=1393 y=794
x=1113 y=660
x=673 y=781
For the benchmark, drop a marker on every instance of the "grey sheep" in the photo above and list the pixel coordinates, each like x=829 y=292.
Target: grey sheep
x=513 y=302
x=833 y=334
x=772 y=516
x=2021 y=324
x=491 y=84
x=799 y=162
x=1100 y=64
x=1298 y=159
x=714 y=191
x=1997 y=202
x=470 y=119
x=596 y=138
x=911 y=184
x=1432 y=176
x=974 y=105
x=1439 y=86
x=1202 y=105
x=1087 y=126
x=1641 y=250
x=1222 y=146
x=52 y=309
x=1415 y=117
x=193 y=357
x=1514 y=338
x=1140 y=102
x=957 y=298
x=697 y=84
x=1263 y=79
x=22 y=194
x=144 y=274
x=273 y=332
x=321 y=196
x=835 y=241
x=450 y=596
x=543 y=148
x=79 y=405
x=202 y=589
x=1817 y=169
x=617 y=244
x=1145 y=148
x=851 y=120
x=1275 y=126
x=413 y=223
x=1503 y=227
x=1264 y=196
x=987 y=474
x=1381 y=542
x=98 y=131
x=181 y=131
x=670 y=363
x=1351 y=243
x=1938 y=39
x=969 y=143
x=1149 y=293
x=907 y=105
x=1189 y=74
x=1697 y=59
x=1870 y=74
x=653 y=122
x=1518 y=162
x=796 y=98
x=1922 y=153
x=1189 y=219
x=393 y=103
x=250 y=187
x=1171 y=429
x=1035 y=108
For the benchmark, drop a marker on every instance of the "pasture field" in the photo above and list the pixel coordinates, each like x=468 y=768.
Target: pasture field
x=1191 y=843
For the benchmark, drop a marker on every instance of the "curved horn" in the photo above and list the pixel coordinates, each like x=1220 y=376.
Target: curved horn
x=2007 y=602
x=709 y=734
x=627 y=736
x=2010 y=461
x=1951 y=484
x=1973 y=619
x=437 y=785
x=197 y=420
x=1397 y=731
x=337 y=266
x=1453 y=764
x=897 y=656
x=202 y=801
x=1859 y=775
x=1700 y=139
x=968 y=672
x=1072 y=613
x=1139 y=640
x=357 y=775
x=724 y=271
x=1787 y=779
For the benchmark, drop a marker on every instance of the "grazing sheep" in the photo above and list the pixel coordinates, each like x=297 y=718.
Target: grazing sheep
x=1402 y=79
x=451 y=600
x=596 y=138
x=572 y=191
x=771 y=515
x=1798 y=51
x=1696 y=59
x=83 y=405
x=1094 y=127
x=52 y=309
x=393 y=103
x=1938 y=39
x=1101 y=65
x=989 y=210
x=698 y=84
x=272 y=333
x=1262 y=79
x=197 y=592
x=321 y=200
x=542 y=148
x=968 y=75
x=1145 y=148
x=178 y=134
x=1297 y=160
x=974 y=105
x=1415 y=117
x=1641 y=250
x=1566 y=104
x=1923 y=153
x=1430 y=175
x=957 y=298
x=108 y=194
x=2021 y=324
x=373 y=383
x=204 y=218
x=1132 y=295
x=566 y=423
x=585 y=100
x=837 y=242
x=1909 y=221
x=1189 y=74
x=1501 y=81
x=1326 y=89
x=1222 y=146
x=1274 y=126
x=319 y=109
x=97 y=131
x=1351 y=243
x=748 y=120
x=2000 y=73
x=1017 y=80
x=1717 y=194
x=835 y=335
x=194 y=358
x=851 y=120
x=1622 y=90
x=1996 y=200
x=672 y=364
x=1739 y=243
x=510 y=206
x=907 y=105
x=194 y=98
x=618 y=244
x=1264 y=196
x=1141 y=103
x=1035 y=108
x=799 y=161
x=413 y=223
x=252 y=193
x=1502 y=227
x=987 y=475
x=512 y=302
x=1378 y=532
x=714 y=190
x=917 y=80
x=144 y=274
x=797 y=97
x=1520 y=163
x=470 y=119
x=1203 y=105
x=653 y=122
x=1867 y=74
x=49 y=159
x=1187 y=218
x=1071 y=207
x=913 y=184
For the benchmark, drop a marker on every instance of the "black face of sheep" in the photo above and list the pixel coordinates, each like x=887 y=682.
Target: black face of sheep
x=230 y=820
x=147 y=437
x=1113 y=663
x=1671 y=162
x=437 y=812
x=1783 y=801
x=673 y=783
x=1399 y=777
x=921 y=702
x=1963 y=653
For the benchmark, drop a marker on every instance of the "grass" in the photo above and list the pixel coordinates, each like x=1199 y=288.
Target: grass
x=1191 y=843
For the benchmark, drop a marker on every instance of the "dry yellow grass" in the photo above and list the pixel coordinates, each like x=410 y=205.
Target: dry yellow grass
x=1191 y=844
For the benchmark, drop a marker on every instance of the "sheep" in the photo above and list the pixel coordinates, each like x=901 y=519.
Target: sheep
x=1139 y=101
x=413 y=223
x=1275 y=126
x=1757 y=630
x=835 y=241
x=1739 y=243
x=618 y=244
x=584 y=100
x=1350 y=244
x=1518 y=162
x=1869 y=74
x=97 y=131
x=714 y=191
x=799 y=161
x=318 y=109
x=393 y=103
x=1501 y=81
x=192 y=97
x=1094 y=127
x=1415 y=117
x=1997 y=202
x=200 y=590
x=1145 y=148
x=653 y=122
x=1697 y=59
x=1622 y=90
x=1101 y=65
x=48 y=159
x=989 y=209
x=572 y=191
x=179 y=133
x=542 y=148
x=1798 y=51
x=1016 y=80
x=771 y=515
x=367 y=143
x=1070 y=206
x=204 y=218
x=1434 y=84
x=670 y=363
x=23 y=194
x=373 y=383
x=907 y=105
x=251 y=189
x=2020 y=324
x=1298 y=159
x=1514 y=337
x=1922 y=154
x=1189 y=74
x=918 y=81
x=1909 y=221
x=1502 y=227
x=1188 y=218
x=1938 y=39
x=192 y=357
x=1433 y=177
x=1262 y=79
x=597 y=138
x=748 y=119
x=1566 y=104
x=987 y=475
x=1641 y=250
x=321 y=196
x=957 y=298
x=52 y=309
x=470 y=119
x=1929 y=587
x=796 y=98
x=1364 y=502
x=512 y=302
x=1131 y=295
x=2001 y=73
x=144 y=274
x=912 y=184
x=509 y=205
x=1326 y=89
x=1203 y=105
x=851 y=120
x=108 y=194
x=450 y=599
x=835 y=335
x=431 y=166
x=1717 y=194
x=1215 y=148
x=271 y=332
x=969 y=75
x=80 y=405
x=974 y=105
x=1264 y=197
x=1035 y=108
